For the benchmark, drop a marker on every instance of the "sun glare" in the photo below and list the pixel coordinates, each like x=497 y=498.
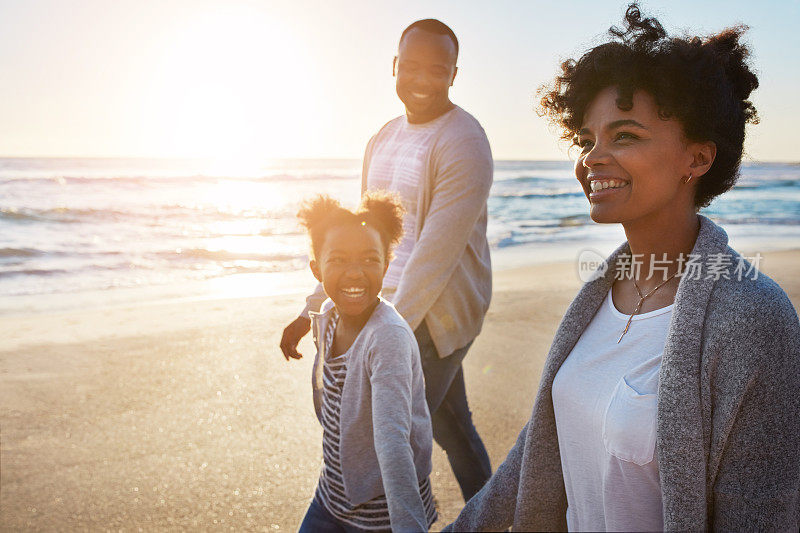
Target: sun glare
x=231 y=85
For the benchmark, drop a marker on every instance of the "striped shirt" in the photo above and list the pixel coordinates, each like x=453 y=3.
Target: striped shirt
x=374 y=514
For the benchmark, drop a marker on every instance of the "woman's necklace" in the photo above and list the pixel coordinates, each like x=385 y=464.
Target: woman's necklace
x=642 y=299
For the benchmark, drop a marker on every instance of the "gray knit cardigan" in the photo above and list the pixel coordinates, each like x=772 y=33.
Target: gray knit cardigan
x=728 y=420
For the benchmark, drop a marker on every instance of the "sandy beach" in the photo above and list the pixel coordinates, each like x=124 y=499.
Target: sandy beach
x=185 y=415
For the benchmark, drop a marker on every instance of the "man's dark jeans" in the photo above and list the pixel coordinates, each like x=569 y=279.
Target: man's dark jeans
x=452 y=421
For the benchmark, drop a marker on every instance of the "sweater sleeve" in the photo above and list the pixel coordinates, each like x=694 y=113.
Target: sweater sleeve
x=494 y=506
x=391 y=379
x=758 y=481
x=463 y=177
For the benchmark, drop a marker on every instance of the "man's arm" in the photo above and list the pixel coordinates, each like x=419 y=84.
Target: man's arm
x=461 y=186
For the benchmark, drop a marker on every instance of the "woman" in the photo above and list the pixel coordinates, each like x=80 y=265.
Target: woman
x=670 y=398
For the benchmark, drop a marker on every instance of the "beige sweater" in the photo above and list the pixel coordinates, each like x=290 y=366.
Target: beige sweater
x=447 y=280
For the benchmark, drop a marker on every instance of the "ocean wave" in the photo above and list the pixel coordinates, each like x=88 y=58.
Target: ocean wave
x=181 y=180
x=152 y=216
x=515 y=171
x=505 y=242
x=766 y=221
x=301 y=177
x=514 y=232
x=224 y=255
x=530 y=195
x=33 y=272
x=77 y=180
x=216 y=262
x=574 y=220
x=20 y=252
x=145 y=225
x=258 y=269
x=506 y=179
x=61 y=214
x=511 y=178
x=11 y=213
x=567 y=221
x=216 y=213
x=765 y=183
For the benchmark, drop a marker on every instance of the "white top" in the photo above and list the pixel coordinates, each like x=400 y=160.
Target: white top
x=397 y=165
x=605 y=397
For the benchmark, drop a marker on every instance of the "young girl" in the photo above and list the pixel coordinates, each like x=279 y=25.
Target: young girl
x=369 y=392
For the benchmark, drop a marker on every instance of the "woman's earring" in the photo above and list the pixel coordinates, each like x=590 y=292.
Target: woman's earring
x=687 y=180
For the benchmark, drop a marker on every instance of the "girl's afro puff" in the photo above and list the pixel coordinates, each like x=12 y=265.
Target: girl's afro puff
x=381 y=210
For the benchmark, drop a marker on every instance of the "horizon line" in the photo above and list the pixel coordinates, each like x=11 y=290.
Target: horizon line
x=322 y=158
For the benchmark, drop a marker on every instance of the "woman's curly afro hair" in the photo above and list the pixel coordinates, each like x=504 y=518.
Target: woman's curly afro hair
x=378 y=209
x=704 y=83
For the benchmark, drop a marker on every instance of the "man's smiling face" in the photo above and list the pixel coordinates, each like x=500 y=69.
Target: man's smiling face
x=425 y=67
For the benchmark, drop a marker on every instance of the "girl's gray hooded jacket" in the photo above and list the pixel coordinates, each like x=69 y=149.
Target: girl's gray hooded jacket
x=728 y=420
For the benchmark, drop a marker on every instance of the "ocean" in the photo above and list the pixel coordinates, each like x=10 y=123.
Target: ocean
x=72 y=227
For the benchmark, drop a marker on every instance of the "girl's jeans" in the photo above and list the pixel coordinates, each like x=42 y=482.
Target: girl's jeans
x=319 y=520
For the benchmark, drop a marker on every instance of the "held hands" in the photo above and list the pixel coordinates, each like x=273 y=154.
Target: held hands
x=292 y=335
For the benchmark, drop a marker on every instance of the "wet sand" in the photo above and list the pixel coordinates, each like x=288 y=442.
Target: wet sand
x=185 y=415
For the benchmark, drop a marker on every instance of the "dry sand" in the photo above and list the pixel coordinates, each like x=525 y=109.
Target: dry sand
x=185 y=415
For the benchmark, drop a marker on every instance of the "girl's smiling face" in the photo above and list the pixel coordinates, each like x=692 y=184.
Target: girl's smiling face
x=633 y=163
x=351 y=264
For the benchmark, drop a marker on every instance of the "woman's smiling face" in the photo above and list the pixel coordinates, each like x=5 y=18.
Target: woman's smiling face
x=633 y=163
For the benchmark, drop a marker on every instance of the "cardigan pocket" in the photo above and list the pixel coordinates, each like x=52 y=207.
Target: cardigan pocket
x=629 y=424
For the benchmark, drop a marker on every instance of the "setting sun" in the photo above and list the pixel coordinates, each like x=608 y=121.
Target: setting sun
x=230 y=84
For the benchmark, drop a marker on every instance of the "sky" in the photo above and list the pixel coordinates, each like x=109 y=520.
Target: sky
x=253 y=80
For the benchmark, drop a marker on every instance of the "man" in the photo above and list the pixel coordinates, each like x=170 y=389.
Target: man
x=437 y=158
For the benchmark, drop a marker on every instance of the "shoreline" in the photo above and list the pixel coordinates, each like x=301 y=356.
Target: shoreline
x=747 y=240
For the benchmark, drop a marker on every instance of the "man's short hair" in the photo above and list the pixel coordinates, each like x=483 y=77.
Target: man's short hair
x=432 y=26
